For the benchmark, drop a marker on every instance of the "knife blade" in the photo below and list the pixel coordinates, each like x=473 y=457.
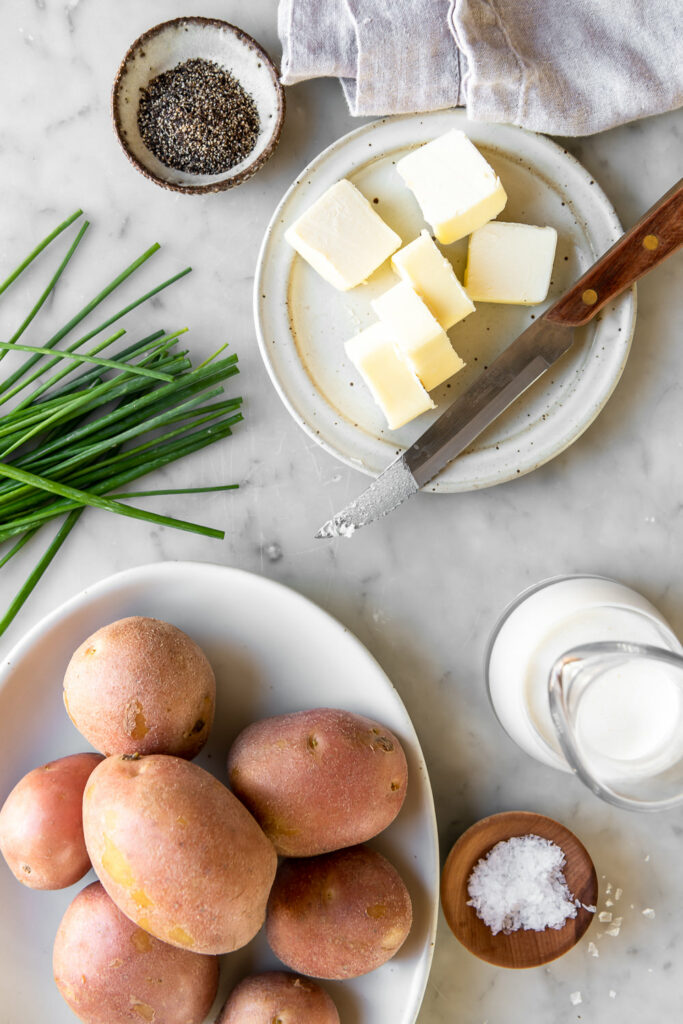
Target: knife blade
x=507 y=377
x=658 y=234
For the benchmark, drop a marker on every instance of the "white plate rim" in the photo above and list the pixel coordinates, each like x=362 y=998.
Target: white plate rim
x=442 y=484
x=147 y=573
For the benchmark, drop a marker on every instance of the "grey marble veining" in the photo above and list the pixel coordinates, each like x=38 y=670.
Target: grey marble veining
x=423 y=588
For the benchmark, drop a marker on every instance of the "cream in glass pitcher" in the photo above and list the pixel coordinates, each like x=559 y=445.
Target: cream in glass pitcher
x=585 y=675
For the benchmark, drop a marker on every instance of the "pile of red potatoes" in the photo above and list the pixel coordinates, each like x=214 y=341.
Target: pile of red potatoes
x=187 y=868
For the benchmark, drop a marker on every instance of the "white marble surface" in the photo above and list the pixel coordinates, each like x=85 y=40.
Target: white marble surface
x=422 y=589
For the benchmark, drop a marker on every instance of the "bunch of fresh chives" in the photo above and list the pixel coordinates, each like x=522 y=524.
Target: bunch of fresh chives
x=74 y=437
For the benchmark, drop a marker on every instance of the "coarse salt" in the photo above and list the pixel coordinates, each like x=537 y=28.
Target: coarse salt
x=593 y=949
x=575 y=998
x=520 y=884
x=648 y=912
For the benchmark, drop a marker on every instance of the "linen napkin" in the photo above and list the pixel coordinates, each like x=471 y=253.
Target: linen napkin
x=567 y=67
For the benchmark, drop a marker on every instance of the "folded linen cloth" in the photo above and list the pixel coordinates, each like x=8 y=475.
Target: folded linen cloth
x=567 y=67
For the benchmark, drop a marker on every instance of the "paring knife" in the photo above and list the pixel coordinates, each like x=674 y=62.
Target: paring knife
x=657 y=235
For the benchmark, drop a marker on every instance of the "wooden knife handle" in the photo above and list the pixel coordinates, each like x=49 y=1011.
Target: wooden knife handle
x=656 y=235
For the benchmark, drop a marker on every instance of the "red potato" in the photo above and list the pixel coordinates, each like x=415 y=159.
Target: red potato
x=319 y=780
x=41 y=824
x=109 y=971
x=340 y=915
x=141 y=686
x=177 y=852
x=278 y=996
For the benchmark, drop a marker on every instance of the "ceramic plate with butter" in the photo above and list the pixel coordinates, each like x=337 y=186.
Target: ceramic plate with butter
x=272 y=651
x=303 y=322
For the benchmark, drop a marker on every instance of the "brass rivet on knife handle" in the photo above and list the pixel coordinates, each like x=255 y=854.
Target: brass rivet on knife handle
x=656 y=235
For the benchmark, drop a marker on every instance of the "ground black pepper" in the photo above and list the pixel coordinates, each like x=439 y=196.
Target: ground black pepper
x=198 y=118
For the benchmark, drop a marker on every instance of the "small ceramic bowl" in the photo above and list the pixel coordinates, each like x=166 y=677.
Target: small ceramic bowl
x=174 y=42
x=521 y=948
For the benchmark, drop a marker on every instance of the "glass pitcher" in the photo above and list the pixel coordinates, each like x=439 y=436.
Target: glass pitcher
x=585 y=675
x=617 y=709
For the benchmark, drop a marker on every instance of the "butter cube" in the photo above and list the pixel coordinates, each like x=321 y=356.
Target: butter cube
x=342 y=237
x=430 y=274
x=419 y=338
x=392 y=383
x=457 y=190
x=510 y=263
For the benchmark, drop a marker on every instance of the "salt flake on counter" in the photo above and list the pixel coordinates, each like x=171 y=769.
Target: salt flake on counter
x=648 y=912
x=575 y=998
x=612 y=994
x=593 y=949
x=520 y=884
x=604 y=916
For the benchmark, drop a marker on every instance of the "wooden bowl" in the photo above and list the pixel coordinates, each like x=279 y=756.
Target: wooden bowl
x=521 y=948
x=171 y=43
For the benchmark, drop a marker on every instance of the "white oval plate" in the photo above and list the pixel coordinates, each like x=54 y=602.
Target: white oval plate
x=273 y=651
x=302 y=321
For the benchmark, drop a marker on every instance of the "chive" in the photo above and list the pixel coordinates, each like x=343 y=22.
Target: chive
x=111 y=363
x=100 y=394
x=18 y=546
x=169 y=452
x=84 y=378
x=214 y=356
x=176 y=490
x=94 y=425
x=102 y=468
x=53 y=281
x=192 y=382
x=97 y=501
x=38 y=249
x=39 y=570
x=97 y=330
x=113 y=440
x=139 y=466
x=81 y=315
x=67 y=408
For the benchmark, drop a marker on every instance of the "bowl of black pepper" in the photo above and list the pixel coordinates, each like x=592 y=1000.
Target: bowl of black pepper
x=197 y=105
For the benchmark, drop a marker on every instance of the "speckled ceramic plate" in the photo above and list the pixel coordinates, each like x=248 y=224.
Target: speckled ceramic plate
x=273 y=651
x=303 y=322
